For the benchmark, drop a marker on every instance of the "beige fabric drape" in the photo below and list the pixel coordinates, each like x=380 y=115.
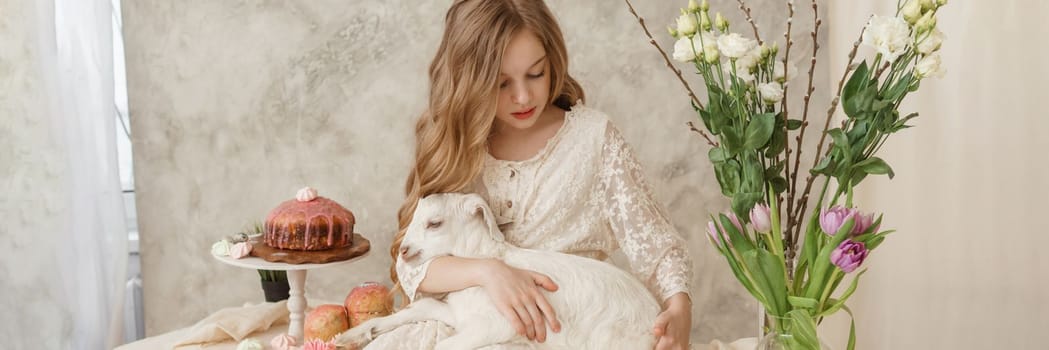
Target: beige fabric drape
x=966 y=269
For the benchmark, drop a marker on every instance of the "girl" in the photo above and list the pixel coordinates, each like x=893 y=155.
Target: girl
x=506 y=121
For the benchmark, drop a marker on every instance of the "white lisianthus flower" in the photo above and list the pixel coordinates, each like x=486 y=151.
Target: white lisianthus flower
x=720 y=22
x=926 y=23
x=770 y=93
x=931 y=43
x=783 y=75
x=930 y=66
x=743 y=74
x=687 y=24
x=750 y=60
x=734 y=46
x=912 y=11
x=706 y=46
x=889 y=35
x=683 y=50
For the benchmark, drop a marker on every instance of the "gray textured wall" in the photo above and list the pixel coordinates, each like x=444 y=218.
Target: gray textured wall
x=236 y=104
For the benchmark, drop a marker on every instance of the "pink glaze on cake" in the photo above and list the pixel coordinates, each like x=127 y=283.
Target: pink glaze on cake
x=317 y=224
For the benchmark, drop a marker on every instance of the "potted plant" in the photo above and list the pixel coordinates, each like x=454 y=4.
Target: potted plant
x=274 y=283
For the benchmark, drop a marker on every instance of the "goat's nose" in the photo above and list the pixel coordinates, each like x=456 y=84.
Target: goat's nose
x=404 y=250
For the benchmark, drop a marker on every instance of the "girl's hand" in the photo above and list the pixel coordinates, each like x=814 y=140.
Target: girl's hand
x=518 y=296
x=674 y=324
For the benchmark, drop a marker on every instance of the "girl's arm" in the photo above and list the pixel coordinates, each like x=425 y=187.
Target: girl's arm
x=516 y=293
x=656 y=252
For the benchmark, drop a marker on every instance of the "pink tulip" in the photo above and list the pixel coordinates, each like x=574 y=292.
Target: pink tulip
x=735 y=220
x=761 y=218
x=849 y=255
x=831 y=219
x=713 y=230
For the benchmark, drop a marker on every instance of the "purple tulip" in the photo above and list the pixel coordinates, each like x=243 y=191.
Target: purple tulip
x=849 y=255
x=863 y=222
x=832 y=219
x=760 y=218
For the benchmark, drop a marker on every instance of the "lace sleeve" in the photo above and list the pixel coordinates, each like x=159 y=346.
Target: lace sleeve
x=655 y=250
x=410 y=278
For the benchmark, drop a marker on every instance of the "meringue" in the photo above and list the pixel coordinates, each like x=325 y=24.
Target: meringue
x=220 y=248
x=283 y=342
x=249 y=344
x=317 y=344
x=306 y=194
x=240 y=250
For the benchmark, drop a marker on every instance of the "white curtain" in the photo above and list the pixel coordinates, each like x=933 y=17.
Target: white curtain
x=77 y=70
x=967 y=268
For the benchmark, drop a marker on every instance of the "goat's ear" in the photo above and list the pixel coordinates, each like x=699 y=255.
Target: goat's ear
x=481 y=209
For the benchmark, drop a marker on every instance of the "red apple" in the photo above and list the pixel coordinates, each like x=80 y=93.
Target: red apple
x=367 y=301
x=325 y=322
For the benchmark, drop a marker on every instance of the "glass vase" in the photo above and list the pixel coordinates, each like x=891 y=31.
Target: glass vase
x=782 y=333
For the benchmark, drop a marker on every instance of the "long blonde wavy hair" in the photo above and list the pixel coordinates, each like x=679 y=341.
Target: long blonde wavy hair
x=451 y=135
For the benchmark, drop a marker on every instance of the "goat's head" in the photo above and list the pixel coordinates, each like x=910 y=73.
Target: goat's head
x=448 y=224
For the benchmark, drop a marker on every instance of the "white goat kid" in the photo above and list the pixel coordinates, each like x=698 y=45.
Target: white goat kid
x=599 y=306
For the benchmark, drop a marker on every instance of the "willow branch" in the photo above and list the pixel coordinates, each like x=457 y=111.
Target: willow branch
x=791 y=220
x=826 y=126
x=666 y=58
x=783 y=107
x=746 y=12
x=709 y=141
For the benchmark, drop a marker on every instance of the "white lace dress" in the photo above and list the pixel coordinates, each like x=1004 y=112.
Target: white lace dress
x=583 y=194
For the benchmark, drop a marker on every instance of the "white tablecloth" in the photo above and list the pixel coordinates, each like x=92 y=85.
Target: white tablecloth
x=168 y=340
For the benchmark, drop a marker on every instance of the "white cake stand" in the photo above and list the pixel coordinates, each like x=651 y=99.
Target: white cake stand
x=296 y=282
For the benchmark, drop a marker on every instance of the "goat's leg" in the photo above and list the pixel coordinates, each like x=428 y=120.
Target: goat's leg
x=464 y=340
x=478 y=330
x=421 y=310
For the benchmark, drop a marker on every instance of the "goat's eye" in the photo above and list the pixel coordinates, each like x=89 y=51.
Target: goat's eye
x=433 y=224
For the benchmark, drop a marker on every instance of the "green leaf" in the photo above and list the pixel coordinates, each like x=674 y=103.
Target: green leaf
x=769 y=275
x=899 y=88
x=858 y=80
x=753 y=175
x=875 y=242
x=743 y=202
x=802 y=302
x=822 y=167
x=741 y=242
x=779 y=184
x=793 y=124
x=706 y=117
x=717 y=155
x=857 y=134
x=731 y=140
x=840 y=302
x=728 y=175
x=804 y=329
x=875 y=166
x=737 y=270
x=777 y=144
x=852 y=329
x=840 y=139
x=759 y=131
x=774 y=169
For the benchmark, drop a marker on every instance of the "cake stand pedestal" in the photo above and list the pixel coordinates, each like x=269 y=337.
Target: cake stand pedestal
x=296 y=282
